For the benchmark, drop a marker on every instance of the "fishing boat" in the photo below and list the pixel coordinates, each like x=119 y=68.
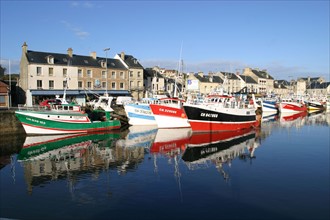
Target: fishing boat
x=221 y=112
x=169 y=113
x=139 y=113
x=315 y=105
x=219 y=148
x=64 y=119
x=289 y=105
x=269 y=105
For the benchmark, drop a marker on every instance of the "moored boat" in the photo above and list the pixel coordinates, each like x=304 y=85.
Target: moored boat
x=169 y=113
x=64 y=119
x=221 y=113
x=139 y=113
x=289 y=105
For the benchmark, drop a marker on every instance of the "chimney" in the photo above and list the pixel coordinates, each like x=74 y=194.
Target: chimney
x=93 y=54
x=122 y=55
x=70 y=52
x=24 y=48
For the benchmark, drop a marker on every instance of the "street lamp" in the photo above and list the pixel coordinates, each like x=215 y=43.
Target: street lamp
x=106 y=70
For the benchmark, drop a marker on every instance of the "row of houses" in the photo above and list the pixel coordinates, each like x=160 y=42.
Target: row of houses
x=46 y=74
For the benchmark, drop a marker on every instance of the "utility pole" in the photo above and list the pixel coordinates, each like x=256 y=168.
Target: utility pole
x=106 y=70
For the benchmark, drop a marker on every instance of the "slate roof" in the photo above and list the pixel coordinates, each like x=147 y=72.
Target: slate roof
x=248 y=79
x=318 y=85
x=151 y=73
x=131 y=61
x=262 y=74
x=75 y=60
x=206 y=79
x=230 y=75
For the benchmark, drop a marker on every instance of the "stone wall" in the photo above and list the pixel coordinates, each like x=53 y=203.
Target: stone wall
x=9 y=124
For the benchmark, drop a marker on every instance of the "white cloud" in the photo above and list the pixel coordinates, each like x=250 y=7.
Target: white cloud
x=87 y=4
x=77 y=31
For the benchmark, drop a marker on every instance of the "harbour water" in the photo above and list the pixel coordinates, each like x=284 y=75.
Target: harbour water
x=280 y=171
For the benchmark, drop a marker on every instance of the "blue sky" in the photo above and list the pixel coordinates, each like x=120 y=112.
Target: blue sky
x=288 y=38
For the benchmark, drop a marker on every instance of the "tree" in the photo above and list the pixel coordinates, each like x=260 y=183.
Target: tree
x=2 y=71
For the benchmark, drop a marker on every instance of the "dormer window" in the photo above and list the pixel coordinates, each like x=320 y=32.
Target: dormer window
x=50 y=59
x=103 y=64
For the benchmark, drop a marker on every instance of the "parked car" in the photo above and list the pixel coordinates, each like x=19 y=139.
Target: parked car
x=48 y=102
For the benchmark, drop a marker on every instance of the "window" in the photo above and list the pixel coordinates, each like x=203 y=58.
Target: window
x=65 y=84
x=113 y=75
x=89 y=85
x=113 y=85
x=131 y=84
x=39 y=84
x=51 y=84
x=2 y=99
x=50 y=59
x=130 y=73
x=38 y=71
x=65 y=72
x=89 y=73
x=121 y=74
x=104 y=75
x=80 y=84
x=51 y=71
x=104 y=85
x=121 y=85
x=80 y=73
x=139 y=84
x=139 y=74
x=97 y=83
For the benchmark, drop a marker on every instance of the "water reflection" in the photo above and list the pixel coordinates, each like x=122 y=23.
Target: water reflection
x=218 y=149
x=48 y=158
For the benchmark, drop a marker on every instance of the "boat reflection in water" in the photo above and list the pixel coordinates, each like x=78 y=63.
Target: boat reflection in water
x=269 y=117
x=220 y=148
x=50 y=158
x=135 y=145
x=289 y=120
x=171 y=143
x=139 y=136
x=321 y=118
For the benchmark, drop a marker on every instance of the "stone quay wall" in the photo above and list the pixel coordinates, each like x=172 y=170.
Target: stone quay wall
x=9 y=124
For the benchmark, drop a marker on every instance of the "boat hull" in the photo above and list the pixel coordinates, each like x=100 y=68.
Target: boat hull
x=53 y=123
x=203 y=119
x=169 y=117
x=139 y=114
x=315 y=106
x=289 y=107
x=269 y=106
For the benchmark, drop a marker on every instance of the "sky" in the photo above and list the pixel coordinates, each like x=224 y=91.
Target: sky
x=289 y=39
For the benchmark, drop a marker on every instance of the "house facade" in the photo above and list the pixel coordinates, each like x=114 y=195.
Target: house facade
x=46 y=74
x=265 y=82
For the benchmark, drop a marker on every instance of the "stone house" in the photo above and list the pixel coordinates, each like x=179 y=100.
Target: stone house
x=46 y=74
